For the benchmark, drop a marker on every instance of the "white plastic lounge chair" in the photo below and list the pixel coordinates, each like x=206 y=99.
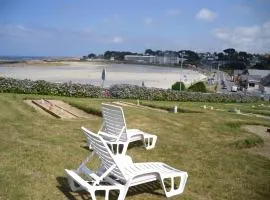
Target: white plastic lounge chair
x=114 y=130
x=119 y=173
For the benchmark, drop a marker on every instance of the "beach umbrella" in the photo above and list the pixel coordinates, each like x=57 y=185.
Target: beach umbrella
x=103 y=76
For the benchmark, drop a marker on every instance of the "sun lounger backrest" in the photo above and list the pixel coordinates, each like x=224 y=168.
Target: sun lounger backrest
x=114 y=120
x=104 y=153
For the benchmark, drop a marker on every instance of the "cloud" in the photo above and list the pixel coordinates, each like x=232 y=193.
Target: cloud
x=117 y=40
x=206 y=15
x=173 y=12
x=148 y=21
x=248 y=38
x=22 y=40
x=19 y=32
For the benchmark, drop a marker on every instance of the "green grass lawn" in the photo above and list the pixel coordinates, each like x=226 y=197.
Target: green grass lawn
x=35 y=149
x=261 y=108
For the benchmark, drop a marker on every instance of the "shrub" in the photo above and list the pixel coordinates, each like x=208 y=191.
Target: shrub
x=10 y=85
x=198 y=87
x=143 y=93
x=176 y=86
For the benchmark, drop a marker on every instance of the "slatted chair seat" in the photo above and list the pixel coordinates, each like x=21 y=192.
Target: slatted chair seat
x=114 y=130
x=120 y=173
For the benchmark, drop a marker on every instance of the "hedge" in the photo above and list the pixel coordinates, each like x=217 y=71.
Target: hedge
x=10 y=85
x=136 y=92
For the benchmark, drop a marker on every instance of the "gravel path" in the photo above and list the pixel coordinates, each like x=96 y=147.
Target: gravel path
x=260 y=131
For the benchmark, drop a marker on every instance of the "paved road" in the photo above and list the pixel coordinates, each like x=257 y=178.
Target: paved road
x=224 y=83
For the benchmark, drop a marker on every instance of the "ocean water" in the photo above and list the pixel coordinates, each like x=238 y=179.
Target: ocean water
x=22 y=58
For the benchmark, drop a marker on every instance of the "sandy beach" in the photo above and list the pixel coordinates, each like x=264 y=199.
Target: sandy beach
x=78 y=72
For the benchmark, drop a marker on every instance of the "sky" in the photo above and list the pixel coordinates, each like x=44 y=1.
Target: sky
x=78 y=27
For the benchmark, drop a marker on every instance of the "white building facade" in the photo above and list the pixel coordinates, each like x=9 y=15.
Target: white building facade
x=153 y=59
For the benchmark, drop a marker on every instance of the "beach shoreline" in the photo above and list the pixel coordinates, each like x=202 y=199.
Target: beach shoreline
x=90 y=73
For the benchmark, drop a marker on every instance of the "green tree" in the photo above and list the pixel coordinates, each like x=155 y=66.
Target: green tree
x=91 y=55
x=176 y=86
x=229 y=51
x=198 y=87
x=220 y=56
x=149 y=52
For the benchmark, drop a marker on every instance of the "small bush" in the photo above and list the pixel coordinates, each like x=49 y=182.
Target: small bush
x=198 y=87
x=176 y=86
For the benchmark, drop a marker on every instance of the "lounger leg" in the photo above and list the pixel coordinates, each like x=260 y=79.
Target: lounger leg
x=107 y=190
x=93 y=195
x=150 y=141
x=179 y=188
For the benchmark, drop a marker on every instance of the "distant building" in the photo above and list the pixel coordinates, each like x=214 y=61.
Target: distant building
x=265 y=85
x=259 y=80
x=258 y=72
x=253 y=82
x=140 y=59
x=168 y=59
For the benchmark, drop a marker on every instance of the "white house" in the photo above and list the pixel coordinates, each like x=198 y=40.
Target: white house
x=256 y=79
x=253 y=82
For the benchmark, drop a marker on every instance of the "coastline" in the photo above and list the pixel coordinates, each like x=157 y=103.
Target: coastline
x=89 y=72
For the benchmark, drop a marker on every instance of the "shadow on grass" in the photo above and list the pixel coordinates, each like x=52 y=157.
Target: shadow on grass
x=86 y=148
x=150 y=188
x=65 y=189
x=138 y=143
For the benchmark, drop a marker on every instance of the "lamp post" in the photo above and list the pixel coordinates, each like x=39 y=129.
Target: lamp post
x=182 y=60
x=103 y=76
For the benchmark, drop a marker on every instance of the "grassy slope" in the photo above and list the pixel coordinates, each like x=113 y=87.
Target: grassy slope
x=35 y=150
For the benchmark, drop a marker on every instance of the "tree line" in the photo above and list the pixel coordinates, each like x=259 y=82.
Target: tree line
x=229 y=58
x=242 y=60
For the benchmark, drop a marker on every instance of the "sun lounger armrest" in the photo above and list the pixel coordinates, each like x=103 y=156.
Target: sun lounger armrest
x=107 y=135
